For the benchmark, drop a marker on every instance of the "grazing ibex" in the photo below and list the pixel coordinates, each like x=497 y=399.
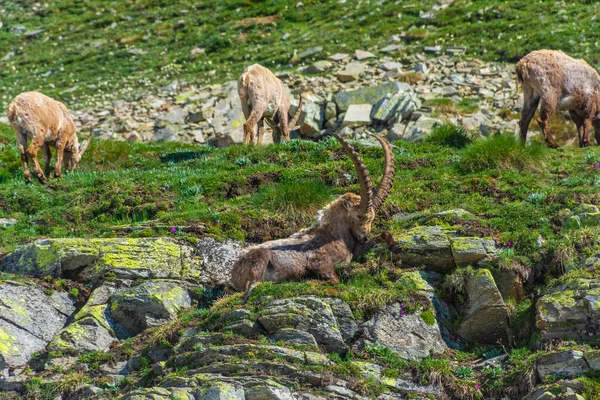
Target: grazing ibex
x=341 y=232
x=46 y=122
x=562 y=82
x=263 y=97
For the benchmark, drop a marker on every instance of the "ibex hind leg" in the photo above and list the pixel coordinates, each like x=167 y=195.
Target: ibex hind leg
x=531 y=100
x=22 y=145
x=251 y=121
x=547 y=109
x=37 y=142
x=48 y=157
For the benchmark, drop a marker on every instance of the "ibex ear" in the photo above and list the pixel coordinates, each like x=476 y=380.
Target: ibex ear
x=347 y=204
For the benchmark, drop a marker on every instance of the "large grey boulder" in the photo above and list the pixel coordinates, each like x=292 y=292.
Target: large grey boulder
x=568 y=364
x=415 y=132
x=310 y=314
x=408 y=335
x=399 y=105
x=229 y=119
x=153 y=303
x=312 y=118
x=368 y=95
x=92 y=260
x=427 y=246
x=486 y=316
x=472 y=250
x=29 y=318
x=570 y=310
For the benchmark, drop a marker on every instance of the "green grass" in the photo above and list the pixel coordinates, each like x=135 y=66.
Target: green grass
x=90 y=48
x=503 y=152
x=248 y=193
x=449 y=135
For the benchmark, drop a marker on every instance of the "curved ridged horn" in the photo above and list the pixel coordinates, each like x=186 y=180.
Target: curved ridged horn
x=294 y=120
x=83 y=146
x=366 y=189
x=388 y=174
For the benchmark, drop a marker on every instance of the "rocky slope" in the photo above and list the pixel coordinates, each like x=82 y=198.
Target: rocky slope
x=347 y=92
x=132 y=319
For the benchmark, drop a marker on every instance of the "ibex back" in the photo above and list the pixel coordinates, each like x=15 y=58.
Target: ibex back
x=559 y=81
x=263 y=97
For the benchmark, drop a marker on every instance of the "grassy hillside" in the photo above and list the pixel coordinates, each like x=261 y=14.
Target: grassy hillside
x=93 y=51
x=259 y=193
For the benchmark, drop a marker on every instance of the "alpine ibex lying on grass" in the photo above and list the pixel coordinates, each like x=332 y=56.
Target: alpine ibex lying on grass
x=263 y=97
x=341 y=232
x=46 y=122
x=562 y=82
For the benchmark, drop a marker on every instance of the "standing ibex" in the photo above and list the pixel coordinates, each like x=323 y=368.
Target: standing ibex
x=46 y=122
x=341 y=232
x=562 y=82
x=263 y=96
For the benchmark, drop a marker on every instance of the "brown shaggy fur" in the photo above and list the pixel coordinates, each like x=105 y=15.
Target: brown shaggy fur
x=559 y=81
x=263 y=97
x=340 y=233
x=46 y=122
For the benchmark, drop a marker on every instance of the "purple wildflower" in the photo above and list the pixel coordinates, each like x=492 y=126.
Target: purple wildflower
x=402 y=305
x=597 y=166
x=402 y=313
x=173 y=229
x=478 y=386
x=509 y=243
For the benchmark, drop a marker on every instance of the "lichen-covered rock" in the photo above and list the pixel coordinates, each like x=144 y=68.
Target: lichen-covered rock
x=486 y=316
x=427 y=246
x=399 y=105
x=344 y=317
x=570 y=310
x=84 y=335
x=152 y=303
x=509 y=283
x=292 y=336
x=29 y=318
x=472 y=250
x=268 y=393
x=310 y=314
x=368 y=95
x=593 y=359
x=568 y=363
x=93 y=260
x=408 y=335
x=312 y=118
x=423 y=283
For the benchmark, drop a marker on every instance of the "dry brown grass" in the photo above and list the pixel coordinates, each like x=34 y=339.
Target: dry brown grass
x=246 y=22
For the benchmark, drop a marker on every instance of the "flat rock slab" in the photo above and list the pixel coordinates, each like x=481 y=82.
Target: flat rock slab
x=408 y=335
x=358 y=115
x=361 y=55
x=29 y=318
x=570 y=310
x=486 y=317
x=569 y=363
x=90 y=260
x=351 y=72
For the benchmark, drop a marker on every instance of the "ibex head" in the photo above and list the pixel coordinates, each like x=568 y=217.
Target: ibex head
x=360 y=210
x=74 y=151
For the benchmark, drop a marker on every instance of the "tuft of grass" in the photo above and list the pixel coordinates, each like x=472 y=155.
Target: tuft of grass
x=411 y=77
x=428 y=317
x=442 y=105
x=449 y=135
x=305 y=195
x=502 y=152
